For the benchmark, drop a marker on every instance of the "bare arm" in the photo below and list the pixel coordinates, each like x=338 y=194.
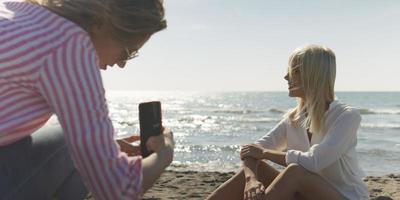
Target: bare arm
x=277 y=157
x=257 y=152
x=154 y=165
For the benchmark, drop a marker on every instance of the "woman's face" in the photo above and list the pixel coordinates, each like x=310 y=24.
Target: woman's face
x=293 y=78
x=111 y=52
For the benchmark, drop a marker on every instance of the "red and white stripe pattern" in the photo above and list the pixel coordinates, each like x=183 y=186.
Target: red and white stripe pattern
x=49 y=65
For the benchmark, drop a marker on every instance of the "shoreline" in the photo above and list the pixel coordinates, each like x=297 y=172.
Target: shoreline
x=195 y=185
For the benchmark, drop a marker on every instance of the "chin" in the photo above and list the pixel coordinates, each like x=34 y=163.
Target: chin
x=290 y=93
x=293 y=94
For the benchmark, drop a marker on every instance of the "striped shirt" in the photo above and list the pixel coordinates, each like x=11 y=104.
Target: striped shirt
x=48 y=65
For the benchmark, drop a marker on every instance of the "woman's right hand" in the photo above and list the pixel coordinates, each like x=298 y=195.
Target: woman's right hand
x=252 y=150
x=163 y=143
x=253 y=190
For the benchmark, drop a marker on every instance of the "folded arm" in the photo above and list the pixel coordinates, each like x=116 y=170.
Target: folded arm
x=341 y=136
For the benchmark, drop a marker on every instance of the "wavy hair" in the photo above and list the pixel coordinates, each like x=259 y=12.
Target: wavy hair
x=127 y=18
x=317 y=66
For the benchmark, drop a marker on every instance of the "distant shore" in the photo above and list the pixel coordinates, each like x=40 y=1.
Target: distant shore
x=198 y=185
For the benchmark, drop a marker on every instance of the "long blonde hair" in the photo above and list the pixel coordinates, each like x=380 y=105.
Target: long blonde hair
x=317 y=66
x=127 y=18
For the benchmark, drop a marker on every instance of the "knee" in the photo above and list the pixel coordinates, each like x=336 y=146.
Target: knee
x=297 y=170
x=64 y=158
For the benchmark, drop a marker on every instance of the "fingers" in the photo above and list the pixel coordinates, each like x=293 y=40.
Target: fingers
x=249 y=195
x=254 y=191
x=247 y=148
x=169 y=136
x=244 y=154
x=128 y=148
x=155 y=143
x=254 y=194
x=132 y=138
x=251 y=150
x=260 y=192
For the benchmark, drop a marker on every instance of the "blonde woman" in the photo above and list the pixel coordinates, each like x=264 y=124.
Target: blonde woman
x=315 y=142
x=51 y=54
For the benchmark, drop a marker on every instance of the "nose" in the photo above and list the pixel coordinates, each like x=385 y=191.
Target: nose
x=286 y=77
x=121 y=64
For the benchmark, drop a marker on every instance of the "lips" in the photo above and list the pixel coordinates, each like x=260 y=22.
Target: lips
x=293 y=85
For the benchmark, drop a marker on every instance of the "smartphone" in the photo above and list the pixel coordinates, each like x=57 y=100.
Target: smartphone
x=150 y=123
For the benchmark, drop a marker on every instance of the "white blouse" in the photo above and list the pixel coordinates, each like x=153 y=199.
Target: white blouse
x=331 y=154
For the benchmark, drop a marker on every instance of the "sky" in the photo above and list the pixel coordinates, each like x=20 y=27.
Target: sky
x=244 y=45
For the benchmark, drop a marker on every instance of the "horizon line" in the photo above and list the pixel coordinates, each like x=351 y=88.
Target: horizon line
x=110 y=90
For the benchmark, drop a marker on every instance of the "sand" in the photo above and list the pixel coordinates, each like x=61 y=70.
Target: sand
x=197 y=185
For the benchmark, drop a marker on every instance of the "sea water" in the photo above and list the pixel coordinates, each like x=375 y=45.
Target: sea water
x=211 y=127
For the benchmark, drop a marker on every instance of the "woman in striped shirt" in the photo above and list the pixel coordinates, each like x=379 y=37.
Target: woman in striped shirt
x=50 y=55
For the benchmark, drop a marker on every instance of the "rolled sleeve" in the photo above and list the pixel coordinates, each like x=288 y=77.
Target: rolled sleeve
x=292 y=156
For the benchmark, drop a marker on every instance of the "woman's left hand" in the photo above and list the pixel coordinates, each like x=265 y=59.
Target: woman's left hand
x=252 y=150
x=127 y=147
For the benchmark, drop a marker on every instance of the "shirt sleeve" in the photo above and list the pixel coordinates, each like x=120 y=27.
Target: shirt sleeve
x=70 y=81
x=339 y=138
x=275 y=139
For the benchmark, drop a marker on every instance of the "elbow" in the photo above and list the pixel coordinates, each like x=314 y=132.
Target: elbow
x=314 y=168
x=311 y=163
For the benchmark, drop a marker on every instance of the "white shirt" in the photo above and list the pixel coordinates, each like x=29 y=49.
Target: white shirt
x=331 y=154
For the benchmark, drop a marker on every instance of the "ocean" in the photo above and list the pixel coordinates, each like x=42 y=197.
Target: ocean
x=211 y=127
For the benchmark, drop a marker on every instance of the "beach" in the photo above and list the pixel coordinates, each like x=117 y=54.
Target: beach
x=193 y=185
x=211 y=128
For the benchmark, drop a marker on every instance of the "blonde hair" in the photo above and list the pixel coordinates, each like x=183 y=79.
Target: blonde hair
x=127 y=18
x=317 y=67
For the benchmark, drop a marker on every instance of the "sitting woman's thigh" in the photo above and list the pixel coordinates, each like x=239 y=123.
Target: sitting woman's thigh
x=36 y=164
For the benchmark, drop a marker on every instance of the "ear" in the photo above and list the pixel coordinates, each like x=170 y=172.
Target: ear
x=96 y=29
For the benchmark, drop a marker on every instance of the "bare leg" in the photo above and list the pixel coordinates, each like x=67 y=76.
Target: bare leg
x=234 y=187
x=295 y=181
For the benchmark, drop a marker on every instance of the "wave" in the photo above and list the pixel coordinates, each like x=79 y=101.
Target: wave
x=127 y=123
x=366 y=111
x=215 y=119
x=378 y=152
x=258 y=120
x=207 y=148
x=274 y=110
x=193 y=118
x=380 y=126
x=239 y=112
x=248 y=111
